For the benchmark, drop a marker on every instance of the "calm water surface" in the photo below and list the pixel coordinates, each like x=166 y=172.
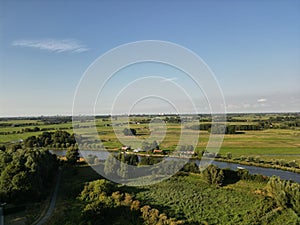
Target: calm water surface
x=285 y=175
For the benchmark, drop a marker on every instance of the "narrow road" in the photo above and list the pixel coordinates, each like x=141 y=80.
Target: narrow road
x=53 y=201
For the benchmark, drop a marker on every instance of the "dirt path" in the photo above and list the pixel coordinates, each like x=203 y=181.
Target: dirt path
x=53 y=201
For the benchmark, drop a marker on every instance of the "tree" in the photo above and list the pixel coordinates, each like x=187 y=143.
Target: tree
x=72 y=155
x=91 y=159
x=154 y=145
x=228 y=155
x=25 y=174
x=2 y=148
x=31 y=142
x=123 y=171
x=230 y=129
x=111 y=166
x=213 y=175
x=146 y=160
x=191 y=167
x=145 y=146
x=189 y=148
x=129 y=132
x=131 y=159
x=15 y=147
x=95 y=189
x=285 y=193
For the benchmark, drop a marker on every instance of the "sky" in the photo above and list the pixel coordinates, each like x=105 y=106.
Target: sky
x=251 y=47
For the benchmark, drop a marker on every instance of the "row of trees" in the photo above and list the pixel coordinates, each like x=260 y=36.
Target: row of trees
x=255 y=159
x=25 y=173
x=219 y=177
x=216 y=129
x=17 y=124
x=232 y=129
x=34 y=129
x=56 y=119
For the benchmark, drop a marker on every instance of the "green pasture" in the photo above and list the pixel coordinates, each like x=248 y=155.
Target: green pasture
x=268 y=144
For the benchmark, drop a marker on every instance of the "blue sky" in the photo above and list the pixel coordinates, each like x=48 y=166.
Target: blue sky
x=253 y=48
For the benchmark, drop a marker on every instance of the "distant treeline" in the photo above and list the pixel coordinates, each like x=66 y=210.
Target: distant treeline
x=56 y=120
x=17 y=124
x=222 y=128
x=34 y=129
x=232 y=129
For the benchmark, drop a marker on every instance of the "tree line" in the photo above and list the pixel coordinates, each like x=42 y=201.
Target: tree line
x=226 y=129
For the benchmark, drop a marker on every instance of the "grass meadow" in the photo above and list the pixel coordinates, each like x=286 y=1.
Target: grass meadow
x=266 y=144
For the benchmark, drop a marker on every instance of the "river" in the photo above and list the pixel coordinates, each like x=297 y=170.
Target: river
x=284 y=175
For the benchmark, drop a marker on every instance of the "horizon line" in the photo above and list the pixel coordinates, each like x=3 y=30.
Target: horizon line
x=147 y=114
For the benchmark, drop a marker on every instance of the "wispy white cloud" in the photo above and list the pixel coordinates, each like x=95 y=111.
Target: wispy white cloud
x=261 y=100
x=53 y=45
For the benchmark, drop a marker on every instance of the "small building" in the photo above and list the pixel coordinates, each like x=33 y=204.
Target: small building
x=138 y=150
x=186 y=153
x=158 y=151
x=125 y=148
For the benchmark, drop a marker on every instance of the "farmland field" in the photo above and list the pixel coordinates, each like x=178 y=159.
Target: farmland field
x=276 y=142
x=268 y=143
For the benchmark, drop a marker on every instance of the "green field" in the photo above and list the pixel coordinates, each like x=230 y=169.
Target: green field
x=269 y=143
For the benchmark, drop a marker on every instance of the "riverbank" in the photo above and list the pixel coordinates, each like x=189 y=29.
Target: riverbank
x=270 y=166
x=262 y=165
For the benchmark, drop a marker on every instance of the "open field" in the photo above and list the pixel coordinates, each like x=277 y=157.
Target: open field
x=269 y=143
